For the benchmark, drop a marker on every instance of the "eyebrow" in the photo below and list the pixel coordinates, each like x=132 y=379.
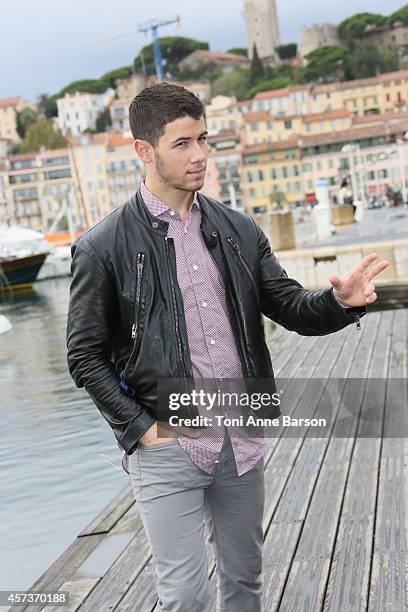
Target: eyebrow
x=188 y=137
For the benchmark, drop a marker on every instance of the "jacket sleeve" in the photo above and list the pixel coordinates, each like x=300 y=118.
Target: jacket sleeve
x=89 y=342
x=285 y=301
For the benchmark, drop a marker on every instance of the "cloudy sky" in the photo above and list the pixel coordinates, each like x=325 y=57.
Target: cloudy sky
x=46 y=44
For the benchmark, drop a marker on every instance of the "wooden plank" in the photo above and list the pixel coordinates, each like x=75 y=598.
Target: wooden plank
x=307 y=574
x=348 y=580
x=110 y=515
x=389 y=574
x=61 y=570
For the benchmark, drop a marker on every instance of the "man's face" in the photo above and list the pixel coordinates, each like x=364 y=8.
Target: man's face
x=180 y=157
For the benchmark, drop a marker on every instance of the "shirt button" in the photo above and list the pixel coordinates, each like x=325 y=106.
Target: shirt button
x=172 y=213
x=155 y=224
x=195 y=267
x=185 y=230
x=204 y=304
x=212 y=341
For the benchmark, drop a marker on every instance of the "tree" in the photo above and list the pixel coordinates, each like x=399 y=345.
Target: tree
x=111 y=77
x=257 y=69
x=234 y=83
x=367 y=60
x=353 y=28
x=25 y=118
x=400 y=15
x=47 y=105
x=86 y=85
x=173 y=49
x=42 y=133
x=286 y=51
x=103 y=120
x=276 y=83
x=238 y=51
x=325 y=63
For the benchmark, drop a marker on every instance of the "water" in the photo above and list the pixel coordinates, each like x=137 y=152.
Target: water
x=53 y=481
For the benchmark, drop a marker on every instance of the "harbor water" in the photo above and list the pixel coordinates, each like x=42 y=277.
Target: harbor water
x=56 y=448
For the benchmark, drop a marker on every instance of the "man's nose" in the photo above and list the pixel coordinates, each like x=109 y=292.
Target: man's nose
x=199 y=153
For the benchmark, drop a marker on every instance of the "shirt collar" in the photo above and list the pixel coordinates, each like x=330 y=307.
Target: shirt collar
x=156 y=206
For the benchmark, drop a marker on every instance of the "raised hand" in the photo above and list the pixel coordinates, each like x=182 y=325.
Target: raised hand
x=355 y=288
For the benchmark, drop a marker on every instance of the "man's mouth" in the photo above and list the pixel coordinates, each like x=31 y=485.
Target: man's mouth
x=197 y=172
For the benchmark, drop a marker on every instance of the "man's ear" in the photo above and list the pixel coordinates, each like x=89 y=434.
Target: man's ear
x=143 y=150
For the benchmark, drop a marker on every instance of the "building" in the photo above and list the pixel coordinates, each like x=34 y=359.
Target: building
x=129 y=88
x=89 y=163
x=223 y=180
x=223 y=113
x=119 y=114
x=384 y=93
x=123 y=167
x=261 y=20
x=9 y=107
x=38 y=189
x=318 y=35
x=78 y=111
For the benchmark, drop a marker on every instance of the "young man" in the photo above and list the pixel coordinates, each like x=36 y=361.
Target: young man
x=172 y=285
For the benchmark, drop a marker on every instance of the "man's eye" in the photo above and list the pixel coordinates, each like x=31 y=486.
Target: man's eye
x=180 y=144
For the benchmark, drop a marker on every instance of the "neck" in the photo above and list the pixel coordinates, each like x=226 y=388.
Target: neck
x=175 y=198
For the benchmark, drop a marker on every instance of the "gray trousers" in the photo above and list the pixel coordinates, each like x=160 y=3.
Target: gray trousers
x=175 y=498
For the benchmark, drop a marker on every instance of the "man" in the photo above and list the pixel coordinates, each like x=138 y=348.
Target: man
x=171 y=285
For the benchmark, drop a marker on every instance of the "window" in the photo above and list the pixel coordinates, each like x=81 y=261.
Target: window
x=249 y=176
x=288 y=124
x=254 y=126
x=269 y=125
x=319 y=165
x=308 y=126
x=252 y=192
x=290 y=154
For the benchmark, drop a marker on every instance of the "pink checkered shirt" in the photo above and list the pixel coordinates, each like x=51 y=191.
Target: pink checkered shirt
x=211 y=342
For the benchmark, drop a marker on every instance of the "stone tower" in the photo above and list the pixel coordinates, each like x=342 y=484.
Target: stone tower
x=262 y=28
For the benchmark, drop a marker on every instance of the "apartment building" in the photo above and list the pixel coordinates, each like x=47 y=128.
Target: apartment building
x=9 y=107
x=223 y=180
x=385 y=93
x=38 y=188
x=124 y=169
x=78 y=111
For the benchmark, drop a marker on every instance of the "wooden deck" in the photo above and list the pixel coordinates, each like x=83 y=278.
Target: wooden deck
x=336 y=512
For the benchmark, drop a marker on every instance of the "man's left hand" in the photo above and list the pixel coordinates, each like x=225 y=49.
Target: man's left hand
x=356 y=287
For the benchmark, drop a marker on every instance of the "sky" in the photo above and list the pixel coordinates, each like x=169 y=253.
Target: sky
x=44 y=45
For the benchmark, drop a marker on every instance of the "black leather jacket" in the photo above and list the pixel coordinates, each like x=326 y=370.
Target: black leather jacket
x=126 y=326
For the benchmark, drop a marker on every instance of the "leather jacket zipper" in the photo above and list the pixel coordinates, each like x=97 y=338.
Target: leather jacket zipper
x=140 y=264
x=357 y=319
x=237 y=249
x=175 y=312
x=135 y=325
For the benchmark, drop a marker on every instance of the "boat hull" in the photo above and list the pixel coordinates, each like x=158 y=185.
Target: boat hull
x=20 y=272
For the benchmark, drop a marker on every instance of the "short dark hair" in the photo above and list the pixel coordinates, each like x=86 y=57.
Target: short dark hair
x=154 y=107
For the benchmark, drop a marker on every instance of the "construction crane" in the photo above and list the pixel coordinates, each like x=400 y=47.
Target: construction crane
x=153 y=25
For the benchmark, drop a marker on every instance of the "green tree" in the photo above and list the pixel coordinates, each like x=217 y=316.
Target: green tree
x=119 y=73
x=269 y=85
x=103 y=121
x=367 y=60
x=42 y=133
x=400 y=15
x=86 y=85
x=173 y=50
x=25 y=118
x=352 y=28
x=234 y=83
x=257 y=69
x=286 y=51
x=325 y=63
x=238 y=51
x=47 y=105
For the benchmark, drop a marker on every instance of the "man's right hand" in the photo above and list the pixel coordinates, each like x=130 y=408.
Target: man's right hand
x=150 y=436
